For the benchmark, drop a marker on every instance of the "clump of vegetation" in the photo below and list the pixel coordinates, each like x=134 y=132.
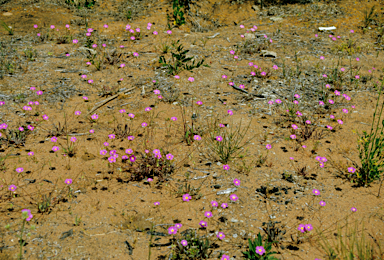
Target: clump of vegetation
x=179 y=60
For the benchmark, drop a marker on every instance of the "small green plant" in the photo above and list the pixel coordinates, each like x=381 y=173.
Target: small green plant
x=348 y=46
x=44 y=205
x=15 y=137
x=70 y=147
x=371 y=147
x=189 y=131
x=353 y=244
x=26 y=216
x=274 y=234
x=97 y=60
x=195 y=192
x=9 y=29
x=179 y=60
x=259 y=249
x=368 y=16
x=146 y=166
x=81 y=3
x=165 y=48
x=128 y=14
x=198 y=247
x=77 y=221
x=30 y=54
x=178 y=14
x=226 y=143
x=204 y=41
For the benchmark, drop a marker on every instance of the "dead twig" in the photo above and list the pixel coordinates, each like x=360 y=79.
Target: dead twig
x=109 y=99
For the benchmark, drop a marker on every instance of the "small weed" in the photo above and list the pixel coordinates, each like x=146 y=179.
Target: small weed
x=187 y=188
x=368 y=16
x=30 y=54
x=349 y=245
x=348 y=46
x=260 y=244
x=112 y=57
x=179 y=61
x=81 y=3
x=371 y=151
x=16 y=137
x=77 y=221
x=44 y=205
x=178 y=14
x=9 y=29
x=198 y=247
x=231 y=143
x=274 y=234
x=148 y=167
x=171 y=95
x=122 y=132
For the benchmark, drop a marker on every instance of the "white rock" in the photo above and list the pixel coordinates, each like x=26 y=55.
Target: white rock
x=327 y=28
x=266 y=53
x=249 y=36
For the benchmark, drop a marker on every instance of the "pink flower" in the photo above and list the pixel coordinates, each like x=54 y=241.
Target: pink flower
x=95 y=116
x=308 y=227
x=214 y=203
x=68 y=181
x=301 y=228
x=316 y=192
x=172 y=230
x=226 y=167
x=230 y=112
x=203 y=224
x=260 y=250
x=208 y=214
x=268 y=146
x=191 y=79
x=186 y=197
x=221 y=235
x=353 y=209
x=236 y=182
x=233 y=197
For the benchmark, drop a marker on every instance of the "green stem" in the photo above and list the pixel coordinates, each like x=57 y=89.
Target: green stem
x=21 y=241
